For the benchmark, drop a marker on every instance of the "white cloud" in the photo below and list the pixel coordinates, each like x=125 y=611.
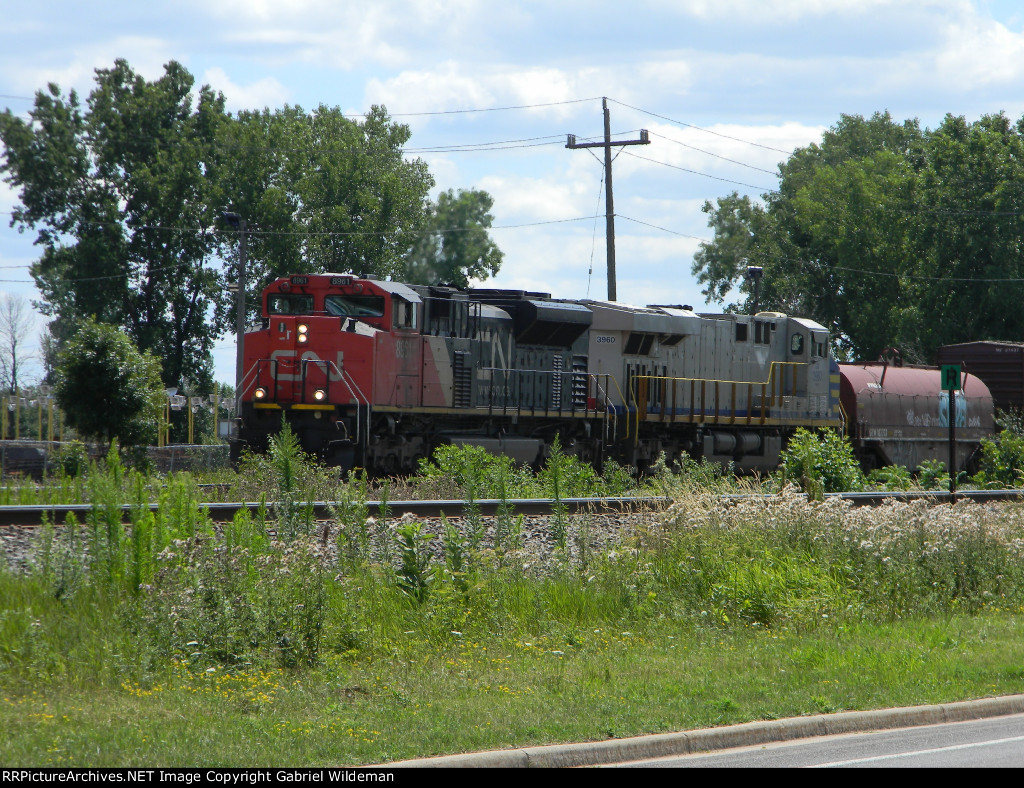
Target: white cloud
x=8 y=198
x=980 y=52
x=444 y=88
x=266 y=92
x=146 y=55
x=352 y=36
x=538 y=199
x=788 y=11
x=550 y=91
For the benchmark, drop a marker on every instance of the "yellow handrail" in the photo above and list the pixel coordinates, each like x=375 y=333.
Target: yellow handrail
x=772 y=377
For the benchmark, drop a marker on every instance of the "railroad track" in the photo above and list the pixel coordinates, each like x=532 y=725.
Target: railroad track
x=225 y=512
x=322 y=510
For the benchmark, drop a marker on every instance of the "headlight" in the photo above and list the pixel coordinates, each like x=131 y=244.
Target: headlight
x=303 y=332
x=260 y=393
x=319 y=395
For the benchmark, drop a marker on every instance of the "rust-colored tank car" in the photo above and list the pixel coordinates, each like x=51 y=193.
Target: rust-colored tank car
x=900 y=415
x=999 y=364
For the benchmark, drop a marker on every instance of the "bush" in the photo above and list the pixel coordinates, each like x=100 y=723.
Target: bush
x=931 y=475
x=1002 y=461
x=475 y=472
x=107 y=388
x=71 y=459
x=821 y=462
x=891 y=477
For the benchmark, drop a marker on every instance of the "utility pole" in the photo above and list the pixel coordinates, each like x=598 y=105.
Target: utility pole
x=609 y=203
x=236 y=222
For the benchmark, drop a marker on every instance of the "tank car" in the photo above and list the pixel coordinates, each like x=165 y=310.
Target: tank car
x=899 y=415
x=375 y=374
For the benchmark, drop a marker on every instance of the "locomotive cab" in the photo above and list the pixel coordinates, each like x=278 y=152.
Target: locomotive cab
x=313 y=360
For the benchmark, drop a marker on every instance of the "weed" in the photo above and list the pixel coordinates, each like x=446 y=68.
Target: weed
x=821 y=462
x=414 y=574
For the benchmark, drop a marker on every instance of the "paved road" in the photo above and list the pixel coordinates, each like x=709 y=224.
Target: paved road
x=996 y=742
x=984 y=732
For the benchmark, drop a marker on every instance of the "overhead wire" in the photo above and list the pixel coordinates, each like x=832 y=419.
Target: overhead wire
x=484 y=109
x=700 y=128
x=709 y=153
x=695 y=172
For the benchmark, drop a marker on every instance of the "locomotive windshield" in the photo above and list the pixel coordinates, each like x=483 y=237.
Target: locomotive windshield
x=290 y=304
x=356 y=306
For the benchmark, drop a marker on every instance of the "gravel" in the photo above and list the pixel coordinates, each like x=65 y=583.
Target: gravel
x=585 y=532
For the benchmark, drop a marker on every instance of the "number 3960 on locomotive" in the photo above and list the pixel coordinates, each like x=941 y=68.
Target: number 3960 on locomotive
x=375 y=374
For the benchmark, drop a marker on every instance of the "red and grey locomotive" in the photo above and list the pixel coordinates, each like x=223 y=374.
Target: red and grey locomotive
x=375 y=374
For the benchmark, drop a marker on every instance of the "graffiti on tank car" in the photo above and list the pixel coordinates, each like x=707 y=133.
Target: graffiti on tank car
x=941 y=419
x=961 y=409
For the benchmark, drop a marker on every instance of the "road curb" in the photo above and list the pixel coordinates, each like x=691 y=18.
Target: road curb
x=709 y=739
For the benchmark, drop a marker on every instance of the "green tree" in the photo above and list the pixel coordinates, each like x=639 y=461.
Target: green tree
x=119 y=194
x=321 y=192
x=888 y=234
x=107 y=388
x=455 y=246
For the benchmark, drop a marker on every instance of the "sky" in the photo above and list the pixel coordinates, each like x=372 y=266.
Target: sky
x=725 y=88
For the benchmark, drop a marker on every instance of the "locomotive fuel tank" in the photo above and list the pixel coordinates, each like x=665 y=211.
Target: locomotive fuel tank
x=900 y=415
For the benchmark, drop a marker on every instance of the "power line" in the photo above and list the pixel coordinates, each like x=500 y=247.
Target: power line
x=663 y=229
x=607 y=144
x=919 y=277
x=709 y=153
x=471 y=147
x=702 y=174
x=485 y=109
x=701 y=128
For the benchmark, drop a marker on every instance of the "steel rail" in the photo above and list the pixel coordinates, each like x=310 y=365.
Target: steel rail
x=322 y=510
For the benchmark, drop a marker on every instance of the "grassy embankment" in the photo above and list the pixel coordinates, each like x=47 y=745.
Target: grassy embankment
x=170 y=643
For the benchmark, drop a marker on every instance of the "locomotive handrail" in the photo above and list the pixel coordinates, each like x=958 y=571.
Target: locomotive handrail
x=242 y=384
x=353 y=388
x=772 y=382
x=725 y=380
x=570 y=374
x=342 y=376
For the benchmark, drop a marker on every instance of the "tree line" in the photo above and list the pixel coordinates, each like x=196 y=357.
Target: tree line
x=126 y=193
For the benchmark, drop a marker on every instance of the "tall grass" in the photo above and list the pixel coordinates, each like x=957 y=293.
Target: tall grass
x=108 y=599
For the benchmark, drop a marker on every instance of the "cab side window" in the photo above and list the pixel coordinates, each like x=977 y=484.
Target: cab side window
x=404 y=314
